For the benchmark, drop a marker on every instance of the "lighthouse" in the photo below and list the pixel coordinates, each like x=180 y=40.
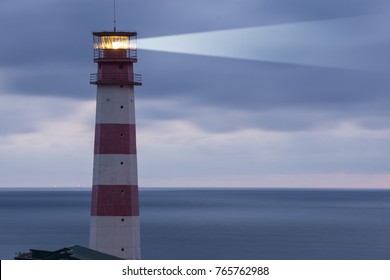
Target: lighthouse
x=115 y=222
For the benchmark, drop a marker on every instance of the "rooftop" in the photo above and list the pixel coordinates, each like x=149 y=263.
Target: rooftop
x=74 y=252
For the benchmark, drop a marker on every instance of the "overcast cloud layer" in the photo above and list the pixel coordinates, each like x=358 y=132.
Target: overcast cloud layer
x=202 y=120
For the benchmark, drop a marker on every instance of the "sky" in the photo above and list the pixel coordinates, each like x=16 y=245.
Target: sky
x=236 y=93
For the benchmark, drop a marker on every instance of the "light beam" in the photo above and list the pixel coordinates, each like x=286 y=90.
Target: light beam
x=339 y=43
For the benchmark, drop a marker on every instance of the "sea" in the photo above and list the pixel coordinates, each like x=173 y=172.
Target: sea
x=206 y=224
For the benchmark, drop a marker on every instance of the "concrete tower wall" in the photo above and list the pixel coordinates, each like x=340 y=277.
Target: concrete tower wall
x=115 y=223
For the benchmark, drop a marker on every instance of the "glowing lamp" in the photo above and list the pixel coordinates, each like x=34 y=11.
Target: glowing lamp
x=113 y=42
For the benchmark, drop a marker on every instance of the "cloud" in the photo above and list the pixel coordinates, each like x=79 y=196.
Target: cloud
x=46 y=142
x=264 y=95
x=254 y=157
x=201 y=120
x=65 y=79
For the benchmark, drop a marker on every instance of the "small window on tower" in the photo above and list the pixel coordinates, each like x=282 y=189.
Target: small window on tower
x=120 y=66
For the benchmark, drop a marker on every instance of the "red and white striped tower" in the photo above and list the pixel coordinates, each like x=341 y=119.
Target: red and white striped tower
x=115 y=223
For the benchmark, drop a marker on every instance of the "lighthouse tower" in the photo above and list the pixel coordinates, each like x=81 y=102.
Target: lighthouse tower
x=115 y=223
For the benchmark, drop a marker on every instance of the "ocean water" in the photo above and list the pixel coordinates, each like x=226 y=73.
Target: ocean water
x=212 y=224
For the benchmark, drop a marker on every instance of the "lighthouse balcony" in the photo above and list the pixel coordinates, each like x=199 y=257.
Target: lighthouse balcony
x=116 y=79
x=115 y=55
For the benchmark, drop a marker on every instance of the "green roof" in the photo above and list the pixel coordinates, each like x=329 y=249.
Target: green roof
x=74 y=252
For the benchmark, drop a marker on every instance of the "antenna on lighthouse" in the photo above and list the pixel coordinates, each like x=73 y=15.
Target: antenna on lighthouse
x=114 y=16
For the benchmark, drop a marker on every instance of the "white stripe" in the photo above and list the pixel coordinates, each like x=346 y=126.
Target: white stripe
x=113 y=169
x=111 y=234
x=115 y=104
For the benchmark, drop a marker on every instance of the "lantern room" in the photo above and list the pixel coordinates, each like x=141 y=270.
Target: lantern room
x=115 y=53
x=115 y=45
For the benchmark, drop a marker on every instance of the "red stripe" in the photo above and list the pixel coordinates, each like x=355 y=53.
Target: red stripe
x=115 y=139
x=115 y=200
